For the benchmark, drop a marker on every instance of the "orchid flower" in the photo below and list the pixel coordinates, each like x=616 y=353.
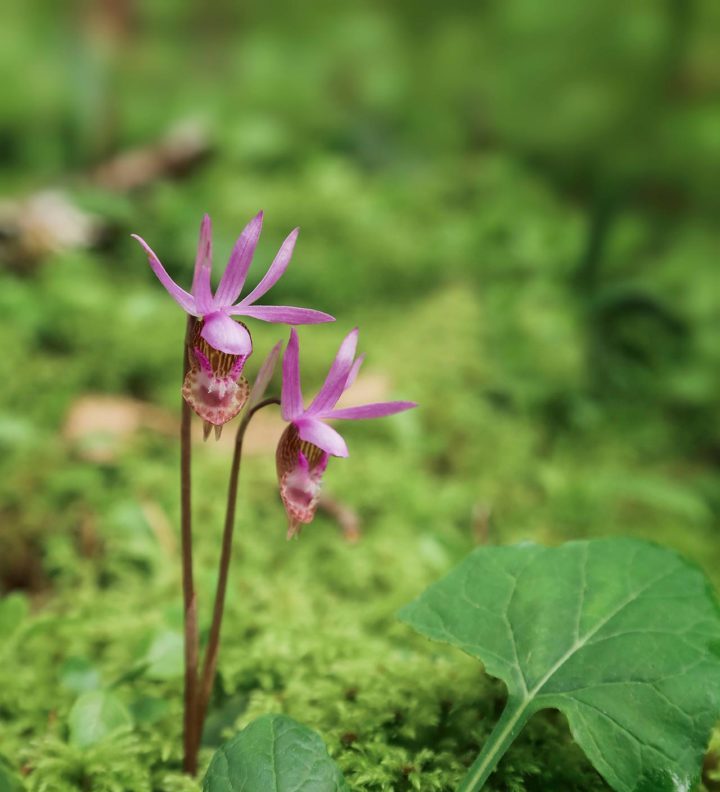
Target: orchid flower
x=218 y=345
x=308 y=442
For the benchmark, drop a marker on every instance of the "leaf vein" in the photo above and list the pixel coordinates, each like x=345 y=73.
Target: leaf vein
x=579 y=644
x=622 y=727
x=583 y=591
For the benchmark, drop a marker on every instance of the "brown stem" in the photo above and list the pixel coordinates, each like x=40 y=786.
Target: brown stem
x=189 y=597
x=211 y=653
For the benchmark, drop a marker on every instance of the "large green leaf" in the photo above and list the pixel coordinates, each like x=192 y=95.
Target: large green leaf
x=274 y=754
x=620 y=635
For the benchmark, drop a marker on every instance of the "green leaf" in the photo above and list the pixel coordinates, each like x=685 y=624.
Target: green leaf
x=274 y=754
x=165 y=658
x=96 y=716
x=620 y=635
x=79 y=675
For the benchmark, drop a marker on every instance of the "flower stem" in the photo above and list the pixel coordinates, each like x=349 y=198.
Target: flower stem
x=189 y=596
x=211 y=653
x=514 y=717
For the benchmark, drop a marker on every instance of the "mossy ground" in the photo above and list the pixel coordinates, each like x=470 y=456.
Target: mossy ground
x=564 y=392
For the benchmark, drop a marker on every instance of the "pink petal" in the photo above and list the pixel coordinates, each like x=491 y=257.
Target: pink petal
x=281 y=313
x=203 y=266
x=352 y=376
x=222 y=333
x=337 y=376
x=377 y=410
x=277 y=268
x=236 y=271
x=181 y=297
x=321 y=435
x=291 y=400
x=264 y=375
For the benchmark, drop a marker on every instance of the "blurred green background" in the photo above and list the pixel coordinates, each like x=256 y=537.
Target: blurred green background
x=516 y=201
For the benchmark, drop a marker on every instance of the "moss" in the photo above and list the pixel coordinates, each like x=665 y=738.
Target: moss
x=309 y=626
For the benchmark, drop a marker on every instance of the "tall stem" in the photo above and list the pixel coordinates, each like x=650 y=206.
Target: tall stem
x=211 y=653
x=189 y=597
x=511 y=722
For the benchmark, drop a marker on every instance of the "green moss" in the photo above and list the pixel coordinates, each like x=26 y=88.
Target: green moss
x=309 y=627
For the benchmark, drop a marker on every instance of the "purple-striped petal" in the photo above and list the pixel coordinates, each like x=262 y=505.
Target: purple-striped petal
x=275 y=272
x=281 y=313
x=181 y=297
x=323 y=436
x=378 y=410
x=264 y=375
x=203 y=266
x=291 y=400
x=233 y=278
x=337 y=376
x=222 y=333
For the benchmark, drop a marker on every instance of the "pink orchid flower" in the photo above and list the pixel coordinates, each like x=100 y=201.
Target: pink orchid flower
x=219 y=346
x=308 y=442
x=219 y=330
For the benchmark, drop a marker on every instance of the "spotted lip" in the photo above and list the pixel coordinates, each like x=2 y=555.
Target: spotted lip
x=214 y=387
x=300 y=467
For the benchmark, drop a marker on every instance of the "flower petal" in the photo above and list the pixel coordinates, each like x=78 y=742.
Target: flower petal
x=291 y=400
x=323 y=436
x=378 y=410
x=203 y=265
x=276 y=270
x=300 y=480
x=181 y=297
x=222 y=333
x=352 y=376
x=233 y=278
x=281 y=313
x=337 y=376
x=264 y=375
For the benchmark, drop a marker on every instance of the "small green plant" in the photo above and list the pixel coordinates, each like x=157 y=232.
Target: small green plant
x=274 y=754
